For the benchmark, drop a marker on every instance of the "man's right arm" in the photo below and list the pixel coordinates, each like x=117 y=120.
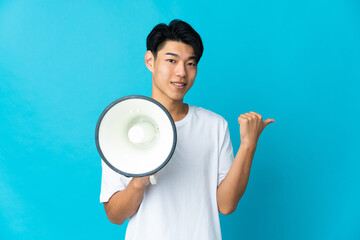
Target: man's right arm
x=124 y=204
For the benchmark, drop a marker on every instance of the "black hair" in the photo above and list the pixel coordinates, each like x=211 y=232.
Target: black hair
x=177 y=31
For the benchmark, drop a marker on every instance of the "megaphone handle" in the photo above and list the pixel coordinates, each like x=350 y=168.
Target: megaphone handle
x=153 y=178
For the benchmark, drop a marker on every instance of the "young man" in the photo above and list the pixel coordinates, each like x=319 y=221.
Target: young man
x=202 y=178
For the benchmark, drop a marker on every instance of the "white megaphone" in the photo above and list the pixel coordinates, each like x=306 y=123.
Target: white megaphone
x=136 y=136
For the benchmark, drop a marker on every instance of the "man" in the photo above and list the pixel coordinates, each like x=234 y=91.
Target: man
x=202 y=178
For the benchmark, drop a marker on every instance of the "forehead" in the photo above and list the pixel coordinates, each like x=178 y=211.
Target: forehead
x=180 y=48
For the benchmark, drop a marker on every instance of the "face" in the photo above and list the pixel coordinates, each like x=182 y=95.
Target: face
x=173 y=71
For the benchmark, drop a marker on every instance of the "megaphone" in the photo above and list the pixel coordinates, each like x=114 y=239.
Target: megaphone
x=136 y=136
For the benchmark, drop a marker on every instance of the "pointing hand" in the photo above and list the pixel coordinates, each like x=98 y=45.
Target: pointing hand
x=251 y=126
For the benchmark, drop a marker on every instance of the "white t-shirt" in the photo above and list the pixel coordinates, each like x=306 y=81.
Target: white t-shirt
x=182 y=205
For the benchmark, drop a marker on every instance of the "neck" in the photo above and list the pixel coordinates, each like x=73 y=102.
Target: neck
x=177 y=109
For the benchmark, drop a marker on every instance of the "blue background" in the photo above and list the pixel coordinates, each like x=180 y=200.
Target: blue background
x=63 y=62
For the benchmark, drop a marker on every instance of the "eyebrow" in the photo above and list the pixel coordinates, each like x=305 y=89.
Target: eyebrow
x=176 y=55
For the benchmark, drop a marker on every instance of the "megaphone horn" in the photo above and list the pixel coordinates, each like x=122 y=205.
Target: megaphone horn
x=136 y=136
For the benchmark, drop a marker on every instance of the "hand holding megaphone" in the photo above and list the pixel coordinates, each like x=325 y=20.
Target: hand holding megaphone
x=136 y=137
x=145 y=181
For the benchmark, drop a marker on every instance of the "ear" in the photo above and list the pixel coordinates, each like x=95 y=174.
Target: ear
x=149 y=60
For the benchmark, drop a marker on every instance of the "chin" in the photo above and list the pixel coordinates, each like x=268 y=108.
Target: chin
x=177 y=98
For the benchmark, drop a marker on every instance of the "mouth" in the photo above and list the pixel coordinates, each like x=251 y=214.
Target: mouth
x=178 y=85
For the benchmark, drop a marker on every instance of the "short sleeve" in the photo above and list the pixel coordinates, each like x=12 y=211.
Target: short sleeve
x=226 y=154
x=111 y=182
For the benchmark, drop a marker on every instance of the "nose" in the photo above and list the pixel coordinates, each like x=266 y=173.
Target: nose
x=180 y=70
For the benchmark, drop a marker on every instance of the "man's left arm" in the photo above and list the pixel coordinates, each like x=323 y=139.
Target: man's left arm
x=234 y=184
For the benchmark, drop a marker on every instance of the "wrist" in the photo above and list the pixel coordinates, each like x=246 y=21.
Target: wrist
x=248 y=145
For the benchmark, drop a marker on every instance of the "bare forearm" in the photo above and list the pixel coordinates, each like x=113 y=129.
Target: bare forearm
x=123 y=204
x=233 y=186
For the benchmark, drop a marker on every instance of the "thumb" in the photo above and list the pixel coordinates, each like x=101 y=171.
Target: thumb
x=268 y=121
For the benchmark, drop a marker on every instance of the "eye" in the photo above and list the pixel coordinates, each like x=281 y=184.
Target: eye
x=170 y=60
x=192 y=64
